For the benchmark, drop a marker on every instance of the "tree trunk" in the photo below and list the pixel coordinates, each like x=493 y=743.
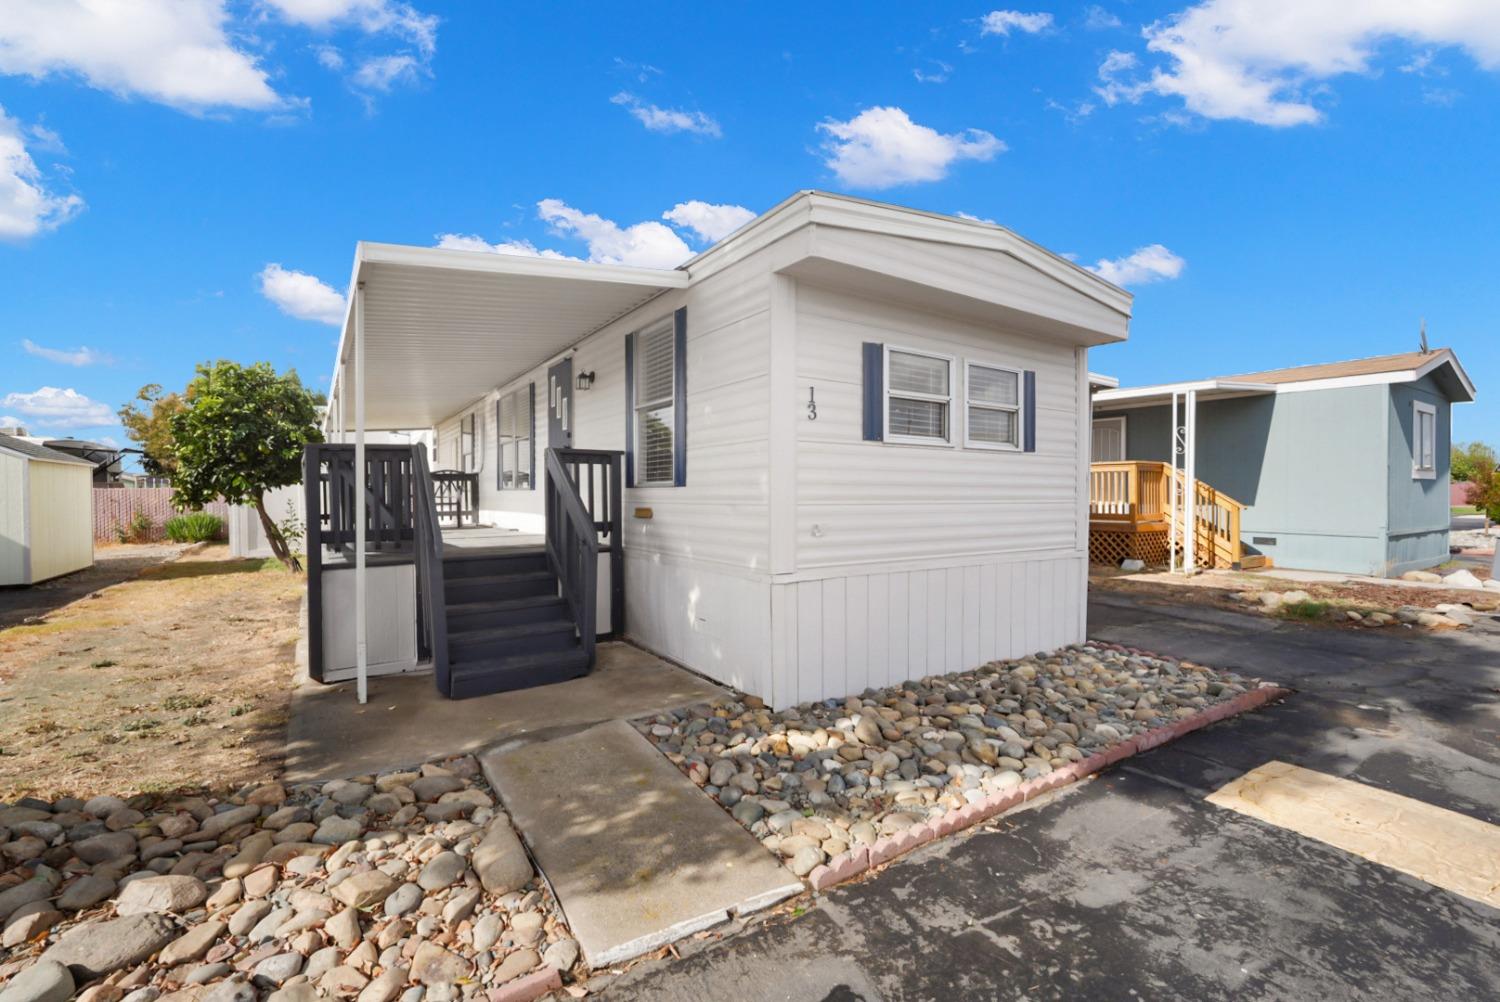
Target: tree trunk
x=273 y=536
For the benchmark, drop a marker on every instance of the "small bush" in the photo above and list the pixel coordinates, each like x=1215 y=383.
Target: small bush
x=194 y=527
x=137 y=530
x=1306 y=610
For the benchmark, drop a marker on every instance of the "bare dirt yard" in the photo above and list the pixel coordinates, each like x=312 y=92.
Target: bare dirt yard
x=176 y=676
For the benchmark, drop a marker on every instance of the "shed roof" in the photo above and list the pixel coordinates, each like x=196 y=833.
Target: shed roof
x=32 y=450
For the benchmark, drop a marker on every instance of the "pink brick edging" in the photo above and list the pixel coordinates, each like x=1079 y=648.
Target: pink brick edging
x=525 y=989
x=847 y=865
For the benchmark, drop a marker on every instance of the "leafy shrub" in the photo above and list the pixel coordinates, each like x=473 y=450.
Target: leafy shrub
x=1306 y=610
x=137 y=530
x=194 y=527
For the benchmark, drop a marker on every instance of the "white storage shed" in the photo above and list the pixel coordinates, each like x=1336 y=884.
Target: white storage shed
x=46 y=512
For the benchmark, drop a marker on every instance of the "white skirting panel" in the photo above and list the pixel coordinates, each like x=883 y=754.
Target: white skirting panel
x=838 y=636
x=716 y=623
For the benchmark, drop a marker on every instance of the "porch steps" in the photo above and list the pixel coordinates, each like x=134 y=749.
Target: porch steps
x=507 y=626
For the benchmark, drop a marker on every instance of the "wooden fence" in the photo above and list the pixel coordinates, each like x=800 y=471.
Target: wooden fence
x=116 y=508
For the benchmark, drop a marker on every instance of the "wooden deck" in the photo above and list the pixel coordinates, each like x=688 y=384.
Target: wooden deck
x=1130 y=506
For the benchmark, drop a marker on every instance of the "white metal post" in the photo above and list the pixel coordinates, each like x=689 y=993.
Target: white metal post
x=1190 y=487
x=1172 y=492
x=361 y=666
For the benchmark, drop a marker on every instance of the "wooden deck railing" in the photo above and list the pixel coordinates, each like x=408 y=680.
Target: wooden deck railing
x=1134 y=496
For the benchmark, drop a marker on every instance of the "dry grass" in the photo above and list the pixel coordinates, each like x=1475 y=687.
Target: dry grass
x=179 y=678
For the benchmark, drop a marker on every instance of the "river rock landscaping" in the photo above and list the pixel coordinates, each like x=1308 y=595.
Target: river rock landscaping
x=819 y=779
x=408 y=884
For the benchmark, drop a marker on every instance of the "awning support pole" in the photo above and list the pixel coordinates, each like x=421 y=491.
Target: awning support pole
x=361 y=664
x=1190 y=491
x=1172 y=492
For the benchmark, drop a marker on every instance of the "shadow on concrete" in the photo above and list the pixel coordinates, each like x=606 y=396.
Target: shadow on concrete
x=406 y=721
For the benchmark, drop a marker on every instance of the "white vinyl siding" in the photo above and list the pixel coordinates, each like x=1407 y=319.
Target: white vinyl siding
x=918 y=397
x=655 y=397
x=1423 y=441
x=992 y=407
x=513 y=438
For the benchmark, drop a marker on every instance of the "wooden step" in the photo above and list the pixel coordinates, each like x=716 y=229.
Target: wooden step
x=505 y=612
x=502 y=641
x=492 y=563
x=480 y=678
x=463 y=591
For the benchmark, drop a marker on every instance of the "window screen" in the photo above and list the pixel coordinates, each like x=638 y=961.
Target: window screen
x=654 y=402
x=513 y=421
x=993 y=398
x=918 y=396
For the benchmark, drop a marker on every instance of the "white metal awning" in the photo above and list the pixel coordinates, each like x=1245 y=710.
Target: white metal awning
x=443 y=327
x=1162 y=393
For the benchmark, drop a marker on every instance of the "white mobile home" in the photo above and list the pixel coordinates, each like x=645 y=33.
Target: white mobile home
x=46 y=512
x=845 y=446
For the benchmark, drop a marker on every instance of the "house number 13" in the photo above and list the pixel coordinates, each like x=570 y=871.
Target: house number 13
x=812 y=405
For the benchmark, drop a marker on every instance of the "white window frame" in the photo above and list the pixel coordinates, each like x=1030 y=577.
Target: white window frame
x=950 y=441
x=1019 y=408
x=523 y=393
x=474 y=456
x=1119 y=420
x=1418 y=471
x=639 y=409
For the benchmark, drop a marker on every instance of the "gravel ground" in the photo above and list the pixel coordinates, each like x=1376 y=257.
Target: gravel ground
x=817 y=779
x=408 y=884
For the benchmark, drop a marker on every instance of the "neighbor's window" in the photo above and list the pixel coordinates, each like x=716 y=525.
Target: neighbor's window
x=513 y=436
x=467 y=434
x=1423 y=441
x=654 y=402
x=918 y=397
x=992 y=402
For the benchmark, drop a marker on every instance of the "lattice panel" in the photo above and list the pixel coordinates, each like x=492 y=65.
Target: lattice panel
x=1111 y=547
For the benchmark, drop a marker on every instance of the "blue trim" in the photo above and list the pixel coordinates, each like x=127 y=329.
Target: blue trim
x=874 y=391
x=1030 y=405
x=679 y=397
x=629 y=410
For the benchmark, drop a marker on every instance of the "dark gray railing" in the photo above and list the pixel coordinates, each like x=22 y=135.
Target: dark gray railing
x=401 y=526
x=595 y=475
x=430 y=598
x=456 y=495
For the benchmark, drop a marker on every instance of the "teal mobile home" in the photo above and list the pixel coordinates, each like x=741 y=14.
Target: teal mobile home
x=1341 y=466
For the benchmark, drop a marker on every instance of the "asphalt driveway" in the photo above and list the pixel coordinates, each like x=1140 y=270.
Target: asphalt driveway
x=1132 y=887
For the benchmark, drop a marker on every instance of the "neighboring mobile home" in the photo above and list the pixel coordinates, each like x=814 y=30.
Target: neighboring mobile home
x=1338 y=467
x=850 y=442
x=46 y=512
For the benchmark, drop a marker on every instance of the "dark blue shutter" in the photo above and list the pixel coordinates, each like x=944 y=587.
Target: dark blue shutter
x=499 y=448
x=679 y=397
x=1029 y=404
x=629 y=410
x=874 y=392
x=531 y=413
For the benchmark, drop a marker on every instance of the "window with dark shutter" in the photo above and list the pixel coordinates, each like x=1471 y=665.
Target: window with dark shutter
x=656 y=386
x=515 y=433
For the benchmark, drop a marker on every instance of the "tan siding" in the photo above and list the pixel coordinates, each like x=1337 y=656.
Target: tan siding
x=61 y=519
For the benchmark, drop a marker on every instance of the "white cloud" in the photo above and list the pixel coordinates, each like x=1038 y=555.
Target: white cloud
x=176 y=52
x=711 y=222
x=1152 y=263
x=1096 y=18
x=300 y=295
x=59 y=408
x=881 y=147
x=370 y=16
x=329 y=57
x=667 y=119
x=382 y=72
x=938 y=74
x=975 y=219
x=1260 y=60
x=517 y=248
x=647 y=245
x=7 y=421
x=78 y=356
x=1003 y=22
x=27 y=205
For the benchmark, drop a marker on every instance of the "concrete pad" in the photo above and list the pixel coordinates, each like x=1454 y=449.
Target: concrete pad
x=329 y=735
x=637 y=855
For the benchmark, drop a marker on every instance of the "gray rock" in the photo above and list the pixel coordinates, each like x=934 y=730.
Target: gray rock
x=277 y=969
x=231 y=990
x=148 y=994
x=364 y=889
x=403 y=900
x=442 y=870
x=44 y=981
x=486 y=931
x=433 y=965
x=515 y=965
x=204 y=973
x=162 y=894
x=105 y=846
x=302 y=991
x=232 y=818
x=38 y=888
x=721 y=772
x=248 y=916
x=500 y=860
x=86 y=891
x=561 y=955
x=191 y=945
x=747 y=812
x=430 y=788
x=267 y=927
x=103 y=807
x=805 y=859
x=334 y=830
x=95 y=949
x=385 y=987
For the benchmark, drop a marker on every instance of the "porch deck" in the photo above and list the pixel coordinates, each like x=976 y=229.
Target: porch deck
x=476 y=539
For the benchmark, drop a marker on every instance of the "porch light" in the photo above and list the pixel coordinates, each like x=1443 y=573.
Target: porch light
x=585 y=380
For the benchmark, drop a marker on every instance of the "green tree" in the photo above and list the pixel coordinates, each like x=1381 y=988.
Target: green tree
x=240 y=433
x=150 y=427
x=1466 y=456
x=1485 y=492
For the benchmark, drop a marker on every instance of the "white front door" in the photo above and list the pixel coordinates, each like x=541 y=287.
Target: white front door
x=1109 y=440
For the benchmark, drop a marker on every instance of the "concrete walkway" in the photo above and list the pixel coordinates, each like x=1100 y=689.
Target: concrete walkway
x=637 y=855
x=330 y=735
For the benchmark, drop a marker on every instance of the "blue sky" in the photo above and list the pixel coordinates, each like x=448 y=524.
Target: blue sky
x=1277 y=181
